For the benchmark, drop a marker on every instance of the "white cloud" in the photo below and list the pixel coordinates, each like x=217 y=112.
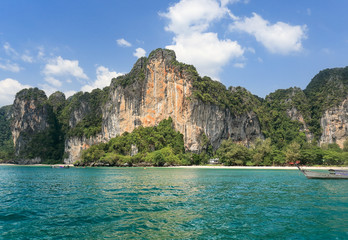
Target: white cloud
x=139 y=52
x=104 y=77
x=279 y=38
x=48 y=89
x=189 y=20
x=54 y=82
x=239 y=65
x=27 y=58
x=64 y=67
x=41 y=52
x=69 y=93
x=8 y=89
x=12 y=67
x=193 y=15
x=9 y=50
x=250 y=49
x=123 y=43
x=205 y=51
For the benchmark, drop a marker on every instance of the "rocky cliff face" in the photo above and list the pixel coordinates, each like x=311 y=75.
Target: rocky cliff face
x=296 y=115
x=166 y=91
x=334 y=124
x=30 y=116
x=84 y=120
x=159 y=87
x=75 y=145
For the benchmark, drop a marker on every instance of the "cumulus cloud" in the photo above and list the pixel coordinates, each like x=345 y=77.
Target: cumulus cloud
x=8 y=89
x=190 y=20
x=123 y=43
x=205 y=51
x=69 y=93
x=48 y=89
x=54 y=82
x=104 y=77
x=139 y=52
x=64 y=67
x=8 y=66
x=279 y=38
x=193 y=15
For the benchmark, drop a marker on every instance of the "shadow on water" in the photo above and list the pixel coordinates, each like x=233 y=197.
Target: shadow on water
x=165 y=203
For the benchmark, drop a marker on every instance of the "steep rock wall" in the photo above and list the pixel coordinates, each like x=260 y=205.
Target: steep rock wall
x=29 y=117
x=75 y=145
x=166 y=91
x=334 y=124
x=296 y=115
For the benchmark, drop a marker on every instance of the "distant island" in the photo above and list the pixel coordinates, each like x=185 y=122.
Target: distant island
x=162 y=113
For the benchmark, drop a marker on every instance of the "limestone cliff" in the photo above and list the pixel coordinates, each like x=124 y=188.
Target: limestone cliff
x=30 y=116
x=334 y=124
x=75 y=145
x=295 y=115
x=158 y=88
x=82 y=120
x=6 y=142
x=203 y=110
x=297 y=109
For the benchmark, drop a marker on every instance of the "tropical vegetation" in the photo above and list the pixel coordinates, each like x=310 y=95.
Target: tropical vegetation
x=289 y=119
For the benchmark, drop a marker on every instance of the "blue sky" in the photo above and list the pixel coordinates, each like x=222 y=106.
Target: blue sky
x=81 y=44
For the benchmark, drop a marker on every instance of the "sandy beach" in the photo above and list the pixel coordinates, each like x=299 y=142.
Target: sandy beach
x=212 y=167
x=264 y=167
x=35 y=165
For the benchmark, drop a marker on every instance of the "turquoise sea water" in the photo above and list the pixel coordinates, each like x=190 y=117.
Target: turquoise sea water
x=169 y=203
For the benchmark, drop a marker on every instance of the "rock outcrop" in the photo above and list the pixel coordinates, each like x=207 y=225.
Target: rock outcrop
x=295 y=115
x=165 y=90
x=83 y=123
x=158 y=87
x=75 y=145
x=334 y=124
x=29 y=117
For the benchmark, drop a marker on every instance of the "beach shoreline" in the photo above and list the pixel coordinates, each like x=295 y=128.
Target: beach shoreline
x=35 y=165
x=206 y=167
x=264 y=167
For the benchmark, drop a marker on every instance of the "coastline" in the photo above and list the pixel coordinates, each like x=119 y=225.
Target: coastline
x=264 y=167
x=205 y=167
x=35 y=165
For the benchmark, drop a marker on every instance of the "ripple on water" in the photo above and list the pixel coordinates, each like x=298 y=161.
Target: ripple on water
x=131 y=203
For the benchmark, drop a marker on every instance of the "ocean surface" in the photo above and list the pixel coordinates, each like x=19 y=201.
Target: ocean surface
x=169 y=203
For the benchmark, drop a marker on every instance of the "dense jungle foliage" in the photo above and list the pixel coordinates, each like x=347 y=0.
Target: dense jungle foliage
x=274 y=117
x=263 y=153
x=145 y=145
x=6 y=143
x=162 y=145
x=89 y=108
x=237 y=99
x=327 y=89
